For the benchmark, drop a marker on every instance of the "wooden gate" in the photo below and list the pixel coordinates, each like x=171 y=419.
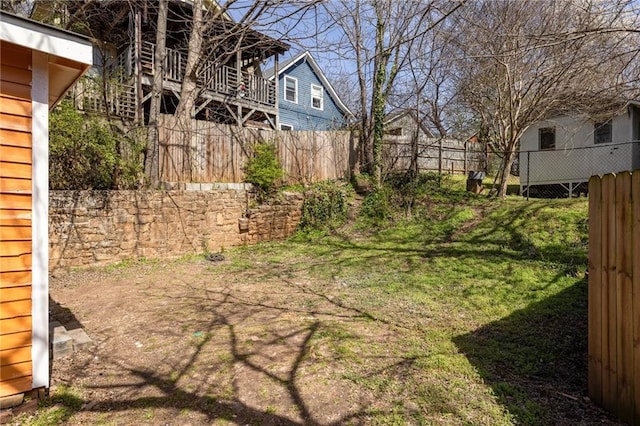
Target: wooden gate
x=614 y=294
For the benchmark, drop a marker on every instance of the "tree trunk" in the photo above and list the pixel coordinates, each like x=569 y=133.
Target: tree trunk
x=378 y=100
x=188 y=89
x=505 y=166
x=152 y=166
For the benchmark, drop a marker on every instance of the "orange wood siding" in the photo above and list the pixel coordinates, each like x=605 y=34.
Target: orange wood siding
x=15 y=219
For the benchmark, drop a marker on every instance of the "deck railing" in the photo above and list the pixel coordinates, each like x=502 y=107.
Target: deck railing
x=115 y=98
x=218 y=79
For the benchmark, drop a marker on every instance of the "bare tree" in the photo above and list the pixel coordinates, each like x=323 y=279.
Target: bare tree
x=204 y=62
x=378 y=35
x=151 y=163
x=18 y=7
x=522 y=61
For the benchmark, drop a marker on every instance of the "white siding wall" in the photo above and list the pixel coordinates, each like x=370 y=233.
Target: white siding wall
x=576 y=157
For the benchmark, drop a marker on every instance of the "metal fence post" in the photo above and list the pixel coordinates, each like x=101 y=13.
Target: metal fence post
x=528 y=168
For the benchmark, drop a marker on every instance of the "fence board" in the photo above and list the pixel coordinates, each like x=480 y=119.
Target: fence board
x=614 y=294
x=624 y=314
x=610 y=392
x=211 y=152
x=595 y=285
x=448 y=155
x=635 y=256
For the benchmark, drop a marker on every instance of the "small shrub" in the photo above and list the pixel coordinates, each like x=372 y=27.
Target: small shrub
x=84 y=153
x=263 y=169
x=325 y=207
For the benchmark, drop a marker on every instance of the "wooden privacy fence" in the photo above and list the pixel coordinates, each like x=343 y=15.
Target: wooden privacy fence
x=202 y=151
x=434 y=154
x=614 y=294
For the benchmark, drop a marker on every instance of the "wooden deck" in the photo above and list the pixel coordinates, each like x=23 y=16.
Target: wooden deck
x=217 y=84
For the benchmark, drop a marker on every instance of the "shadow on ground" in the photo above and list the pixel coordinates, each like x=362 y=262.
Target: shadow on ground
x=63 y=315
x=539 y=354
x=249 y=362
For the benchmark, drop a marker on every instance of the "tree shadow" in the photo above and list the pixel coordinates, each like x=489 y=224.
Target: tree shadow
x=63 y=315
x=535 y=360
x=224 y=316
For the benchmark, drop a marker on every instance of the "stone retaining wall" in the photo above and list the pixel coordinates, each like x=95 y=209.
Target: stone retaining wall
x=102 y=227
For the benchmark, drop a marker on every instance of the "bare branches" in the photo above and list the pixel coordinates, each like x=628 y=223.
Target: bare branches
x=520 y=63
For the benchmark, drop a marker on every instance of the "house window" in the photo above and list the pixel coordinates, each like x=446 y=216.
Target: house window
x=286 y=126
x=547 y=138
x=317 y=95
x=290 y=89
x=602 y=132
x=394 y=132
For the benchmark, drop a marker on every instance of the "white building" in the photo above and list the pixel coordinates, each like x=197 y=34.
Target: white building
x=566 y=151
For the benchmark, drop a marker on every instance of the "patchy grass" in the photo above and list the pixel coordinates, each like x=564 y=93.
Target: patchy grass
x=466 y=311
x=491 y=297
x=63 y=402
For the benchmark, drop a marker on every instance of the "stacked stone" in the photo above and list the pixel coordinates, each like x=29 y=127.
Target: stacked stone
x=103 y=227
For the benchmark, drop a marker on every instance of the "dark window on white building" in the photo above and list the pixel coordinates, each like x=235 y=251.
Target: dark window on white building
x=547 y=138
x=602 y=132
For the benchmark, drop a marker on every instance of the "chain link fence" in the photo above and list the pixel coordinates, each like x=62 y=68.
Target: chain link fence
x=562 y=173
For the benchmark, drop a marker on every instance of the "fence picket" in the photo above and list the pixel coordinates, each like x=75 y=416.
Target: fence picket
x=610 y=366
x=624 y=296
x=635 y=280
x=595 y=285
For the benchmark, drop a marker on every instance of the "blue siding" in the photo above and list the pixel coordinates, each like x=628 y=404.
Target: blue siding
x=301 y=115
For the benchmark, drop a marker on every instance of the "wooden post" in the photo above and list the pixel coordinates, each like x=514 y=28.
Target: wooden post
x=276 y=71
x=138 y=66
x=466 y=145
x=440 y=156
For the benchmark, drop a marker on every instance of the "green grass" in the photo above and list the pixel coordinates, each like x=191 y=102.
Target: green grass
x=63 y=402
x=458 y=310
x=488 y=293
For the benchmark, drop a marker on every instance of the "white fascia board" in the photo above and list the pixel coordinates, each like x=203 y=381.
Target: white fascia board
x=46 y=39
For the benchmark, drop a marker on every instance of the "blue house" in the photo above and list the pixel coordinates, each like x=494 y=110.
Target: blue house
x=306 y=99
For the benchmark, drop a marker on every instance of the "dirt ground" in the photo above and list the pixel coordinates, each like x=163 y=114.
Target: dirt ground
x=188 y=343
x=195 y=342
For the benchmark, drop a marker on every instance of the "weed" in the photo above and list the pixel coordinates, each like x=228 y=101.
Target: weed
x=270 y=409
x=325 y=206
x=56 y=409
x=147 y=414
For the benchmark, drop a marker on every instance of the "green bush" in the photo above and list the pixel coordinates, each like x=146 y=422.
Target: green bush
x=376 y=206
x=325 y=206
x=263 y=169
x=83 y=153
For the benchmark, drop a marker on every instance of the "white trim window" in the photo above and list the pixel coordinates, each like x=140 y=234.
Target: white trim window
x=317 y=97
x=291 y=89
x=286 y=126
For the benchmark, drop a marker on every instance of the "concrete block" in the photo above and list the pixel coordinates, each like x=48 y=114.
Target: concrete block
x=11 y=401
x=61 y=342
x=80 y=339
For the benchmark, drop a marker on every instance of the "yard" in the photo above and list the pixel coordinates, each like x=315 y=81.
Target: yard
x=471 y=312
